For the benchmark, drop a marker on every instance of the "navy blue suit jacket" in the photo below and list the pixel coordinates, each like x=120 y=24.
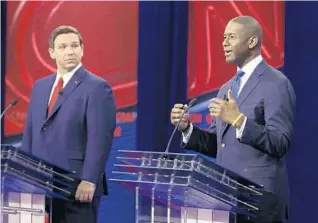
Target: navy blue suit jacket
x=268 y=101
x=78 y=133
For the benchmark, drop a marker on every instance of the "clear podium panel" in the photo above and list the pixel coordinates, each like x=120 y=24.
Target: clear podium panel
x=186 y=162
x=28 y=184
x=151 y=209
x=183 y=196
x=23 y=208
x=185 y=182
x=194 y=179
x=24 y=173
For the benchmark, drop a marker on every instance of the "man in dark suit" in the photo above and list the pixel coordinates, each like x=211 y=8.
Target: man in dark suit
x=70 y=123
x=253 y=115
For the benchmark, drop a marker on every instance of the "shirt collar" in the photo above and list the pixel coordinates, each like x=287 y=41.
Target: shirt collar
x=250 y=66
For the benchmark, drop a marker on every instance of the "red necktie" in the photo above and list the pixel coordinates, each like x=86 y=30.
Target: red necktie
x=58 y=88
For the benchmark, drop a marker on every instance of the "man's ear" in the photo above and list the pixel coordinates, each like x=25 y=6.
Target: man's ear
x=51 y=52
x=252 y=42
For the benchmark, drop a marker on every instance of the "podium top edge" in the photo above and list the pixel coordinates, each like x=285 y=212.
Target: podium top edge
x=162 y=153
x=8 y=147
x=201 y=160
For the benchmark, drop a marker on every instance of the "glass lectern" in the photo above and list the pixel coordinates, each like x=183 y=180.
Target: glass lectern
x=27 y=186
x=184 y=188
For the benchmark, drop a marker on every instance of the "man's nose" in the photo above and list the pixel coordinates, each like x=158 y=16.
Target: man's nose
x=225 y=42
x=69 y=50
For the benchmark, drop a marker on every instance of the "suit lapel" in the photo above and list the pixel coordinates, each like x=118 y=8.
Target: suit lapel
x=73 y=83
x=251 y=83
x=247 y=89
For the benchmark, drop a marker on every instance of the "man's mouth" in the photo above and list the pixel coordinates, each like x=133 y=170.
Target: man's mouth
x=227 y=52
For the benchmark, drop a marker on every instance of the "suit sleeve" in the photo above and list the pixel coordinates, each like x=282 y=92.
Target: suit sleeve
x=101 y=123
x=202 y=141
x=27 y=133
x=273 y=138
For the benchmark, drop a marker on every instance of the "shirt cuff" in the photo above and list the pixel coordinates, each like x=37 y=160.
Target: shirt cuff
x=186 y=135
x=239 y=132
x=88 y=182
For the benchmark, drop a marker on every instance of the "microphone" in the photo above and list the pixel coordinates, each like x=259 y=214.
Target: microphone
x=191 y=103
x=13 y=103
x=61 y=92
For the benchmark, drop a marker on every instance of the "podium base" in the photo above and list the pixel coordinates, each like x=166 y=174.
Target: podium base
x=23 y=208
x=196 y=215
x=185 y=215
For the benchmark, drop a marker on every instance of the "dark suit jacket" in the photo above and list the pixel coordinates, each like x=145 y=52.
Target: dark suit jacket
x=268 y=100
x=78 y=133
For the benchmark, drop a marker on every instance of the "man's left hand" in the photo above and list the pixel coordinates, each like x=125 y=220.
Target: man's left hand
x=225 y=110
x=85 y=191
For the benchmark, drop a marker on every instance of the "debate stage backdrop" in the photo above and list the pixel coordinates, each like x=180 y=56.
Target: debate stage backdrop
x=110 y=31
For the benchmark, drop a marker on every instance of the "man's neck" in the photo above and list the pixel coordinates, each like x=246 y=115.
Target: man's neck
x=249 y=59
x=62 y=71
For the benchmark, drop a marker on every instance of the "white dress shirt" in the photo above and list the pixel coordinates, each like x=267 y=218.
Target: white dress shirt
x=66 y=78
x=248 y=69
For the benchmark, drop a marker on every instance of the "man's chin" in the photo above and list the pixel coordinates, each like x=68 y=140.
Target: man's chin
x=229 y=60
x=71 y=66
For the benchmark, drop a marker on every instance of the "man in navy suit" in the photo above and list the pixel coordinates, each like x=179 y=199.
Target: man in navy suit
x=70 y=123
x=253 y=115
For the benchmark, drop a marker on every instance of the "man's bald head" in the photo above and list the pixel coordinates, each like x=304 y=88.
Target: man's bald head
x=242 y=40
x=251 y=27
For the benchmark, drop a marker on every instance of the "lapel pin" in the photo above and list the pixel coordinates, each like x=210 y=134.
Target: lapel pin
x=76 y=82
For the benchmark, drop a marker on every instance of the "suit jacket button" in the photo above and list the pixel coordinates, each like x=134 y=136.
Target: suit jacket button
x=44 y=129
x=222 y=145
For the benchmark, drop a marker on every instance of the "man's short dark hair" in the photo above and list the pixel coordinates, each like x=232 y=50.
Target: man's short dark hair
x=64 y=30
